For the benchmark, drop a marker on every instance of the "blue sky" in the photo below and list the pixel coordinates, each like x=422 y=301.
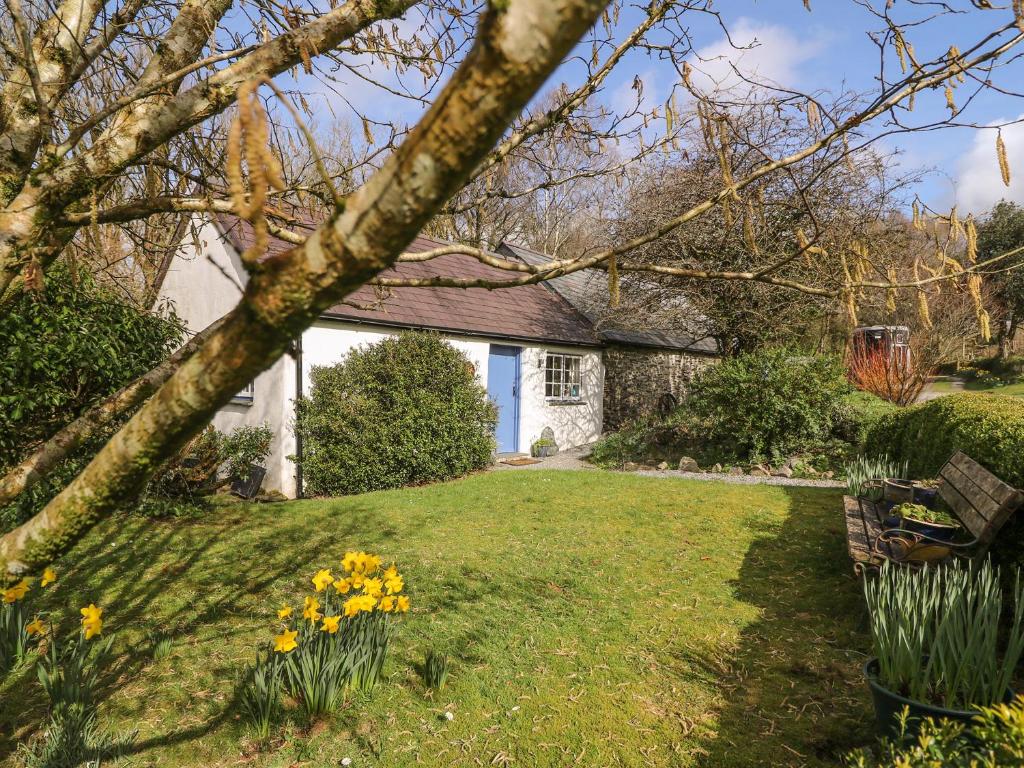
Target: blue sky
x=827 y=49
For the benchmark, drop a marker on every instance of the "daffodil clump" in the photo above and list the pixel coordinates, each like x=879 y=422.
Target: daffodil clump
x=68 y=669
x=336 y=640
x=20 y=629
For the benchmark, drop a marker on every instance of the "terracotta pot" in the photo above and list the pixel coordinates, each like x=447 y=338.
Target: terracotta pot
x=898 y=491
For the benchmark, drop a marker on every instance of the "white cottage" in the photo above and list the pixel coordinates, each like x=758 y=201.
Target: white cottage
x=538 y=356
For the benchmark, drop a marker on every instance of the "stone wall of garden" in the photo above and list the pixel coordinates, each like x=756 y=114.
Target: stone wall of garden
x=636 y=379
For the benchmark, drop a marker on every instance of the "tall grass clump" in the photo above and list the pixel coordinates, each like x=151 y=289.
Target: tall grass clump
x=865 y=468
x=936 y=633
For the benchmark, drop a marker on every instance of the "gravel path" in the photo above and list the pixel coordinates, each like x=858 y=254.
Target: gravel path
x=573 y=459
x=955 y=384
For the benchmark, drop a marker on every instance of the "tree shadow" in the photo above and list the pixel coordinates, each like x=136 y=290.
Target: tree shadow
x=792 y=687
x=135 y=567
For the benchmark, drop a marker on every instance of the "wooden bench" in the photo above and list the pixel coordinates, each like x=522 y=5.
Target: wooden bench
x=977 y=498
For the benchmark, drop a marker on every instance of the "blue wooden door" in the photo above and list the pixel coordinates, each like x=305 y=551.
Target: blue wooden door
x=503 y=389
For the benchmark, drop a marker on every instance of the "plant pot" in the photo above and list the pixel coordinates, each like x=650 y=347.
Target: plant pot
x=939 y=531
x=889 y=707
x=926 y=496
x=897 y=491
x=871 y=490
x=248 y=487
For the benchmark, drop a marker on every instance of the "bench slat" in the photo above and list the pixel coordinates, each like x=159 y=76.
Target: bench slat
x=1000 y=492
x=857 y=539
x=965 y=512
x=969 y=490
x=991 y=486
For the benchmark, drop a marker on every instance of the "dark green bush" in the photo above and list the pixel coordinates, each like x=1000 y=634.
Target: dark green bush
x=61 y=351
x=404 y=411
x=244 y=446
x=192 y=472
x=638 y=441
x=857 y=413
x=988 y=428
x=66 y=348
x=768 y=404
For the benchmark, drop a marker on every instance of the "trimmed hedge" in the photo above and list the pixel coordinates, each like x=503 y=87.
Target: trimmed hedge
x=404 y=411
x=988 y=428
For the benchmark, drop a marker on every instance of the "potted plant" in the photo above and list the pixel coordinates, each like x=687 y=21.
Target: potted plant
x=938 y=647
x=917 y=518
x=926 y=492
x=543 y=448
x=897 y=491
x=864 y=475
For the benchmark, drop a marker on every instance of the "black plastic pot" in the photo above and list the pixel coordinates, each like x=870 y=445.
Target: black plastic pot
x=926 y=496
x=248 y=487
x=938 y=531
x=889 y=707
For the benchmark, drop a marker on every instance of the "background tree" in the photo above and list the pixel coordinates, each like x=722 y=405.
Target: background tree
x=1002 y=231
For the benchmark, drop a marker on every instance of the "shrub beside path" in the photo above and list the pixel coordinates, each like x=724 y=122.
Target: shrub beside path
x=575 y=459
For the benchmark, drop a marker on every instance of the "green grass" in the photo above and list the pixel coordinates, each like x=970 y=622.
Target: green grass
x=592 y=618
x=1015 y=389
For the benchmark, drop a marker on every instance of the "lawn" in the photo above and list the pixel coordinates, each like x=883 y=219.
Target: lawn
x=594 y=619
x=1015 y=389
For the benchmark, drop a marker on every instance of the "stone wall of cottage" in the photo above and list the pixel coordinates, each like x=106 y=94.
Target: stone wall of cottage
x=637 y=379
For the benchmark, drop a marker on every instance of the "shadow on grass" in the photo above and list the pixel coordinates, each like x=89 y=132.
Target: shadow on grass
x=195 y=585
x=792 y=687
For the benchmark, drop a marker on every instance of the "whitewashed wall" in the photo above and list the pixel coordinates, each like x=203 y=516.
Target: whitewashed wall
x=204 y=288
x=327 y=342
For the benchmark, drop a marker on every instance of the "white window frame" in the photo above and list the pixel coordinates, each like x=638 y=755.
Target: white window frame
x=563 y=383
x=247 y=396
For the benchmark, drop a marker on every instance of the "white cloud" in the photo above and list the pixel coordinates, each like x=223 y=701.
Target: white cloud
x=979 y=184
x=765 y=52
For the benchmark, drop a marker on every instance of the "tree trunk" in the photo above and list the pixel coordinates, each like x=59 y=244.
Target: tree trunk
x=518 y=45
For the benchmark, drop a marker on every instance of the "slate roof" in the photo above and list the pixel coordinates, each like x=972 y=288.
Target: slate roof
x=587 y=290
x=528 y=313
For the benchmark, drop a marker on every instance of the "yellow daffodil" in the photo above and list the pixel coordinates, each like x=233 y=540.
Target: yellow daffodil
x=373 y=587
x=390 y=573
x=286 y=641
x=323 y=579
x=330 y=624
x=342 y=586
x=370 y=563
x=402 y=604
x=357 y=580
x=311 y=610
x=359 y=603
x=49 y=576
x=350 y=561
x=394 y=585
x=35 y=627
x=284 y=612
x=17 y=592
x=92 y=621
x=387 y=604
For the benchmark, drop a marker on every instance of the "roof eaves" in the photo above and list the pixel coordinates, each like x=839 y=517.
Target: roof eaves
x=596 y=342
